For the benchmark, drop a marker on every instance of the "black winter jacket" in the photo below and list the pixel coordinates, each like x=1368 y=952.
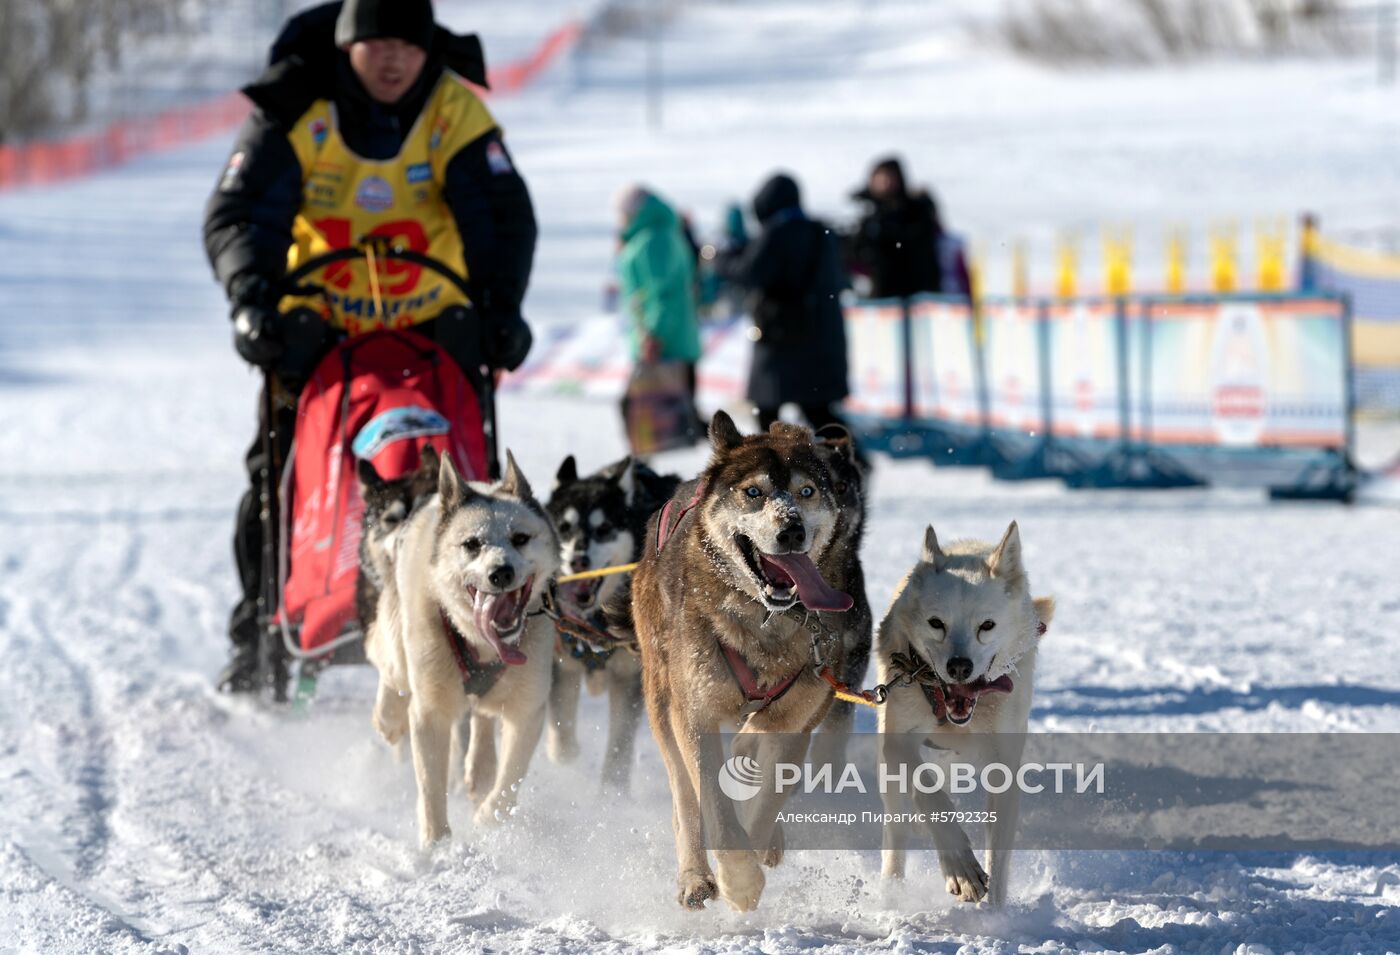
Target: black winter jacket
x=794 y=270
x=896 y=244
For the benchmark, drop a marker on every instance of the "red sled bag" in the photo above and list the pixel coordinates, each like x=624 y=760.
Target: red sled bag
x=383 y=397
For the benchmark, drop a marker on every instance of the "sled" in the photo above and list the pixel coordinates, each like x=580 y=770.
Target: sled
x=384 y=397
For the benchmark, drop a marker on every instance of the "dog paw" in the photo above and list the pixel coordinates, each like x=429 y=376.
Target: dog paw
x=741 y=880
x=774 y=853
x=390 y=727
x=562 y=749
x=964 y=875
x=696 y=888
x=432 y=837
x=493 y=812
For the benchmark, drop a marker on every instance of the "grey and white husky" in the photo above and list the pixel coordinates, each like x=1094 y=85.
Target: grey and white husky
x=967 y=616
x=456 y=631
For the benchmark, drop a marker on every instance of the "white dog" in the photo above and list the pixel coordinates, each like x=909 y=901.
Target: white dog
x=966 y=619
x=456 y=628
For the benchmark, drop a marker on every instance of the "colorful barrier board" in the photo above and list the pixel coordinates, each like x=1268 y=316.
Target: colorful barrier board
x=1084 y=369
x=943 y=355
x=1011 y=344
x=1241 y=373
x=875 y=357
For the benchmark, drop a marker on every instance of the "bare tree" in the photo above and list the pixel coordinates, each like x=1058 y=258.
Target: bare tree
x=50 y=49
x=1146 y=30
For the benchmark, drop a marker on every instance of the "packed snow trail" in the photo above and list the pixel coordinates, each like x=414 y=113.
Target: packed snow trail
x=142 y=812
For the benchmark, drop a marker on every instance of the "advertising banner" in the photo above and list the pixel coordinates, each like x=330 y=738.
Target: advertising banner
x=1084 y=369
x=1249 y=373
x=944 y=361
x=1010 y=331
x=875 y=349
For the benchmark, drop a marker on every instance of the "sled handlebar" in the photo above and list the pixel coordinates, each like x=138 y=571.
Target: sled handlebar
x=292 y=282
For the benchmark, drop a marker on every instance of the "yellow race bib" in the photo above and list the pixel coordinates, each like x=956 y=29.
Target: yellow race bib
x=347 y=199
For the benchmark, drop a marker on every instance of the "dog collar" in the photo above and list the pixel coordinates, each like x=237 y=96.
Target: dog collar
x=755 y=699
x=477 y=678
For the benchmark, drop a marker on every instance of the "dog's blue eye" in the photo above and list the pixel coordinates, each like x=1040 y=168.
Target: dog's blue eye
x=752 y=491
x=807 y=491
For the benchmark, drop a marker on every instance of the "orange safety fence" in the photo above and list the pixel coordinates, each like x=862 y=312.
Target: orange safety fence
x=49 y=161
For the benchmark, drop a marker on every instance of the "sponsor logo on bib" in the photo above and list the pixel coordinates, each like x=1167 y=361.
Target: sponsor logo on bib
x=374 y=194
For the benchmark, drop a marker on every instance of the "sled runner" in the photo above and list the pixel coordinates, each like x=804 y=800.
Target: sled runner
x=383 y=397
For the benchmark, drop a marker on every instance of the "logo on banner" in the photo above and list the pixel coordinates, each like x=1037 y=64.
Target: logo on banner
x=374 y=194
x=1239 y=382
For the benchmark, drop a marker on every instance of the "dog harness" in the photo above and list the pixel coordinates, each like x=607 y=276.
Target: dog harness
x=914 y=669
x=478 y=678
x=665 y=528
x=755 y=699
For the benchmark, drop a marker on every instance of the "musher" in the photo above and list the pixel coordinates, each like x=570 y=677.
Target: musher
x=362 y=127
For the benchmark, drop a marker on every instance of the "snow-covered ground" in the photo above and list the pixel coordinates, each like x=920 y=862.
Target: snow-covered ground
x=141 y=811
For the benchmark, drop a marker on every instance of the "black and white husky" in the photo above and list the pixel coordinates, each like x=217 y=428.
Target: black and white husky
x=456 y=630
x=601 y=520
x=388 y=504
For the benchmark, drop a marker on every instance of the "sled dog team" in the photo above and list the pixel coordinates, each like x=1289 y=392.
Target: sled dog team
x=747 y=608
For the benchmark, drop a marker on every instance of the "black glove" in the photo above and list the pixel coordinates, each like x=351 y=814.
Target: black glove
x=506 y=340
x=256 y=334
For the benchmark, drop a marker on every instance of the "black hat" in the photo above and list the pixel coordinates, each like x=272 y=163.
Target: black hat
x=409 y=20
x=776 y=195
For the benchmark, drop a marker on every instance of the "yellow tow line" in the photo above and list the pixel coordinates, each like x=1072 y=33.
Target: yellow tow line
x=600 y=572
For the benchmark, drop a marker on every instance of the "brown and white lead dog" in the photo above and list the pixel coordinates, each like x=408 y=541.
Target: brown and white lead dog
x=755 y=536
x=456 y=629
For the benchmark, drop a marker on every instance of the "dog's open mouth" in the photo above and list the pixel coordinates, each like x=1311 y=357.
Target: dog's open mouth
x=785 y=579
x=960 y=699
x=500 y=618
x=580 y=593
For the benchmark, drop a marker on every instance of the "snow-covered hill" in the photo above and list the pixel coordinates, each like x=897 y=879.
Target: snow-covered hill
x=142 y=812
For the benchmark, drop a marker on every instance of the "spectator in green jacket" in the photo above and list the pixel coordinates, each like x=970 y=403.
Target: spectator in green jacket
x=656 y=282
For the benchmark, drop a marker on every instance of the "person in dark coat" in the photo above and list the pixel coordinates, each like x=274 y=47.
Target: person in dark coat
x=793 y=272
x=897 y=242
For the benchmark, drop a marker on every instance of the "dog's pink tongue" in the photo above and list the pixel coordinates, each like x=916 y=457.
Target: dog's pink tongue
x=490 y=611
x=814 y=592
x=971 y=691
